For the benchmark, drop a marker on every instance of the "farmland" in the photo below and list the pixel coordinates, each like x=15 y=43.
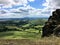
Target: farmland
x=25 y=32
x=21 y=29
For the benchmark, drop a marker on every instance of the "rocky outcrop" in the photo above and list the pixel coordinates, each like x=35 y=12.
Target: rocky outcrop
x=52 y=26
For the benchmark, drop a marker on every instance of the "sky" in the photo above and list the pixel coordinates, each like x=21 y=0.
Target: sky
x=27 y=8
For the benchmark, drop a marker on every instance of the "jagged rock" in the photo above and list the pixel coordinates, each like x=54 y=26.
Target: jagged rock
x=52 y=26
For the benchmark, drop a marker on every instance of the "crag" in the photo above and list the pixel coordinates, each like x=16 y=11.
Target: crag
x=52 y=26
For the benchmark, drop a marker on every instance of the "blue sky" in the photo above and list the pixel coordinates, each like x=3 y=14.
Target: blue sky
x=27 y=8
x=37 y=4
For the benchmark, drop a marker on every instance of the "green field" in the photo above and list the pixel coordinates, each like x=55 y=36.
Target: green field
x=27 y=34
x=21 y=29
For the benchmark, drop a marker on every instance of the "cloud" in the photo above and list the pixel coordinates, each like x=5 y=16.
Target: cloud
x=50 y=5
x=27 y=10
x=7 y=3
x=11 y=15
x=22 y=12
x=19 y=12
x=3 y=11
x=31 y=0
x=53 y=4
x=10 y=3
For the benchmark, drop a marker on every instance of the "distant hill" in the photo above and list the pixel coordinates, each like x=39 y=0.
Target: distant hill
x=29 y=18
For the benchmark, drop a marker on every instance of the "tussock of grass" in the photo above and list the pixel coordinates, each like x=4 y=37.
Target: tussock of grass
x=52 y=40
x=27 y=37
x=41 y=41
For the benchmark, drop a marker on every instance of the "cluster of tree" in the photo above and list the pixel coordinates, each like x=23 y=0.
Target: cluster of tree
x=20 y=24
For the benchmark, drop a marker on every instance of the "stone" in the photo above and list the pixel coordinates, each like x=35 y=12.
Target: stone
x=52 y=26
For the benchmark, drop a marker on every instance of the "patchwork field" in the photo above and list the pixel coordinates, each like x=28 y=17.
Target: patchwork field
x=25 y=32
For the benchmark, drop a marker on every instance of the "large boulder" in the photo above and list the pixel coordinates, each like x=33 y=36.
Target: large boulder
x=52 y=26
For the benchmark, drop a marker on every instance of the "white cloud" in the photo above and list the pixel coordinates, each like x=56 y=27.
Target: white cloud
x=19 y=12
x=31 y=0
x=3 y=11
x=35 y=12
x=27 y=10
x=10 y=3
x=11 y=15
x=7 y=3
x=51 y=5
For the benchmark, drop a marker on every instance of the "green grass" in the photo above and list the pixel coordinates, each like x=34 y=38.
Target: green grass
x=22 y=34
x=27 y=34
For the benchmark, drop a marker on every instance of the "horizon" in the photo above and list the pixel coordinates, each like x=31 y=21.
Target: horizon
x=24 y=17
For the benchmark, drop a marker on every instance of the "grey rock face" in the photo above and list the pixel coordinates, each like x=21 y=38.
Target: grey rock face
x=52 y=26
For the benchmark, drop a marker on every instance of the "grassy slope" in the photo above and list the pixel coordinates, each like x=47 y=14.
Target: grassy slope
x=41 y=41
x=27 y=37
x=27 y=34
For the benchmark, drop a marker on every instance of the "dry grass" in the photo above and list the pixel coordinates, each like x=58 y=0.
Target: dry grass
x=49 y=41
x=42 y=41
